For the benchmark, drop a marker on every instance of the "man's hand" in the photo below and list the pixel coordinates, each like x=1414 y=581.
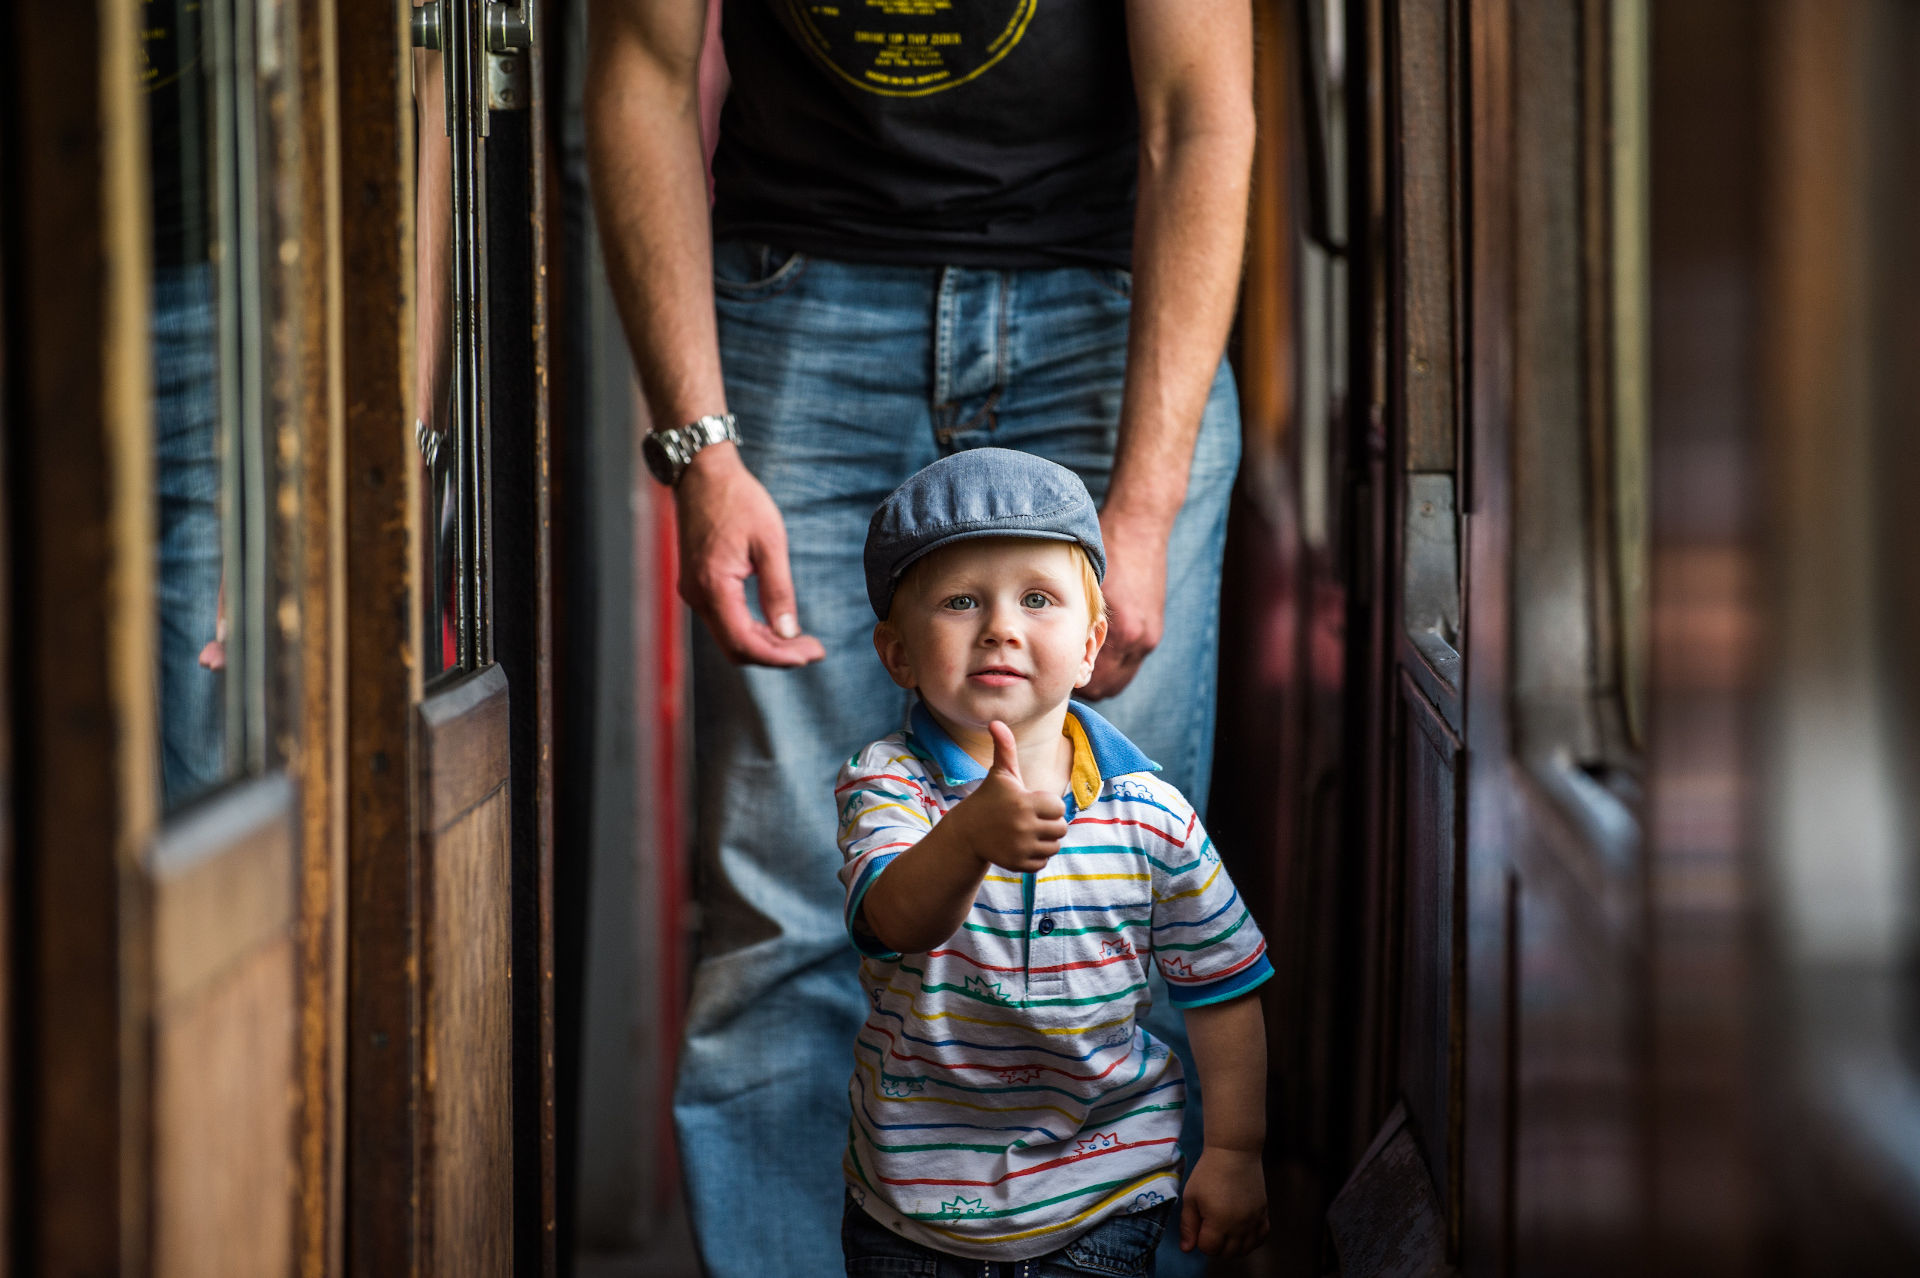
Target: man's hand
x=1136 y=591
x=731 y=530
x=1005 y=823
x=1224 y=1204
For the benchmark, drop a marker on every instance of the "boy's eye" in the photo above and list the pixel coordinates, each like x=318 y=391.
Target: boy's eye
x=1034 y=599
x=959 y=603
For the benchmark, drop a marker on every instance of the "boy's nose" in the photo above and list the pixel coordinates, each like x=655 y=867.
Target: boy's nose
x=1001 y=625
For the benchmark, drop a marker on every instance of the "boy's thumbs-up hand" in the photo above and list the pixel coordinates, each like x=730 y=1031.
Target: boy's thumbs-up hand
x=1009 y=825
x=1006 y=754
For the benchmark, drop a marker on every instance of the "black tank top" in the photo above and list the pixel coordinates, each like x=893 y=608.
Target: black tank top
x=963 y=132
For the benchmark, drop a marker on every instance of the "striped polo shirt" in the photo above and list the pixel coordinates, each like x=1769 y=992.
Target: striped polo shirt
x=1005 y=1098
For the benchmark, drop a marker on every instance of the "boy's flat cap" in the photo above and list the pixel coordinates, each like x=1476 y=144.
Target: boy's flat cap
x=981 y=492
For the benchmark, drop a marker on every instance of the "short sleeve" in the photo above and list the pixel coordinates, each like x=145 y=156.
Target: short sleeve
x=1207 y=945
x=882 y=814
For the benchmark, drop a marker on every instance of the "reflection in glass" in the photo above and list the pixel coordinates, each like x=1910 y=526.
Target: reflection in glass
x=433 y=353
x=188 y=452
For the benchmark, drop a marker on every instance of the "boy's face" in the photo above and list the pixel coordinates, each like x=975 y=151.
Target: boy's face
x=995 y=628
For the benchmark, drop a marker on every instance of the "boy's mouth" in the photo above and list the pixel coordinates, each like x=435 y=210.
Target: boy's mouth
x=996 y=676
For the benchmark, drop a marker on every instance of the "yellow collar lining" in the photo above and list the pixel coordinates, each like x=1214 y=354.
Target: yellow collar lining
x=1084 y=778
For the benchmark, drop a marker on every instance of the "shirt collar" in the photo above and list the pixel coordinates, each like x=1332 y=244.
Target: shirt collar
x=1112 y=755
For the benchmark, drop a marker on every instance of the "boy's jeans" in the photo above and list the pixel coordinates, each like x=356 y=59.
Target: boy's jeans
x=1118 y=1247
x=846 y=380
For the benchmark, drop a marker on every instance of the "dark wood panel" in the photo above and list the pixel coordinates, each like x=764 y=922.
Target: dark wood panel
x=518 y=388
x=1578 y=1188
x=1425 y=203
x=382 y=643
x=81 y=535
x=1432 y=812
x=9 y=967
x=463 y=747
x=467 y=1137
x=1489 y=890
x=318 y=754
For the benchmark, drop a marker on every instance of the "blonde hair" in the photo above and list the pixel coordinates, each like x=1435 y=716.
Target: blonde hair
x=1089 y=579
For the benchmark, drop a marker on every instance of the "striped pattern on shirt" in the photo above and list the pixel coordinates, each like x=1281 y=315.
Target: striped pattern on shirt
x=1005 y=1099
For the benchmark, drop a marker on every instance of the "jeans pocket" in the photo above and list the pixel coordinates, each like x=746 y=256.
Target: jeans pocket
x=1119 y=1246
x=746 y=270
x=1115 y=280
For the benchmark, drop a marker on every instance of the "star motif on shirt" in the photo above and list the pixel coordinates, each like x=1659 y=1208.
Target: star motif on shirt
x=1096 y=1142
x=1116 y=949
x=895 y=1085
x=964 y=1207
x=985 y=988
x=1118 y=1034
x=1018 y=1074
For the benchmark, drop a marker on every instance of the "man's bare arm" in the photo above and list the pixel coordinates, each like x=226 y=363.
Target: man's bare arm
x=650 y=196
x=1193 y=78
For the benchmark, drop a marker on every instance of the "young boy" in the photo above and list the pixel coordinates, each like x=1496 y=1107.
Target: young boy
x=1012 y=866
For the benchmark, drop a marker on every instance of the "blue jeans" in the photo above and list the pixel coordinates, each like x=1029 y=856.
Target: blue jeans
x=186 y=456
x=847 y=379
x=1117 y=1247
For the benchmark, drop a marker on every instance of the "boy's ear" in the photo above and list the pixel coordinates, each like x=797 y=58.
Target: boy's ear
x=893 y=654
x=1096 y=639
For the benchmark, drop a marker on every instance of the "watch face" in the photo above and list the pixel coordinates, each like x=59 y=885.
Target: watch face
x=658 y=463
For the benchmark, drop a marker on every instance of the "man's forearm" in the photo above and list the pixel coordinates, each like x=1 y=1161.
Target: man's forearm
x=650 y=196
x=1190 y=228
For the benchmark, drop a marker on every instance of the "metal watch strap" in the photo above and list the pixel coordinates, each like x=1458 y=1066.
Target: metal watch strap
x=683 y=443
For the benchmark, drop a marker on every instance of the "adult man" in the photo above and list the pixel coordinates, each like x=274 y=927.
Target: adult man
x=924 y=215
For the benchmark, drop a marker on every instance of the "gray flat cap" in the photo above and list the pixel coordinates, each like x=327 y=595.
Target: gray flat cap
x=981 y=492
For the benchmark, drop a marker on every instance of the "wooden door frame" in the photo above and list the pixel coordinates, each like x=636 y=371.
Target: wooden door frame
x=85 y=746
x=380 y=518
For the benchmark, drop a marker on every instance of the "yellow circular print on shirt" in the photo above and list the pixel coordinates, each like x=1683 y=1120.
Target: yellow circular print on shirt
x=910 y=48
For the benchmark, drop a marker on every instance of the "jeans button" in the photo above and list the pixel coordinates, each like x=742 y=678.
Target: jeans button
x=1046 y=926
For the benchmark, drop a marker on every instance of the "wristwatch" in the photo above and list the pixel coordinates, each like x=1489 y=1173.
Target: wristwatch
x=669 y=450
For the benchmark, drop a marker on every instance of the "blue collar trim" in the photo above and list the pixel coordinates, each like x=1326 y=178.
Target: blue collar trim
x=1113 y=754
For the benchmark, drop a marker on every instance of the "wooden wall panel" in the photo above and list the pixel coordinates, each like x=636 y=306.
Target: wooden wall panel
x=468 y=1063
x=380 y=516
x=1425 y=202
x=1430 y=997
x=223 y=1127
x=224 y=883
x=466 y=1208
x=77 y=503
x=1578 y=1187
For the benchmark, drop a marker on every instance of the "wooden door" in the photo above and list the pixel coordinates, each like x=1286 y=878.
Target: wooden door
x=173 y=1000
x=1504 y=353
x=449 y=1078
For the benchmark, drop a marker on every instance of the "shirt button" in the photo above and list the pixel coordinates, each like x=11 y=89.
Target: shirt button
x=1046 y=926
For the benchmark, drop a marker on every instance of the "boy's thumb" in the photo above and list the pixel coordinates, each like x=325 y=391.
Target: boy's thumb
x=1006 y=756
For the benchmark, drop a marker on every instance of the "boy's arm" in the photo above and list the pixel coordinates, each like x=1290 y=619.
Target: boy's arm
x=923 y=896
x=1225 y=1208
